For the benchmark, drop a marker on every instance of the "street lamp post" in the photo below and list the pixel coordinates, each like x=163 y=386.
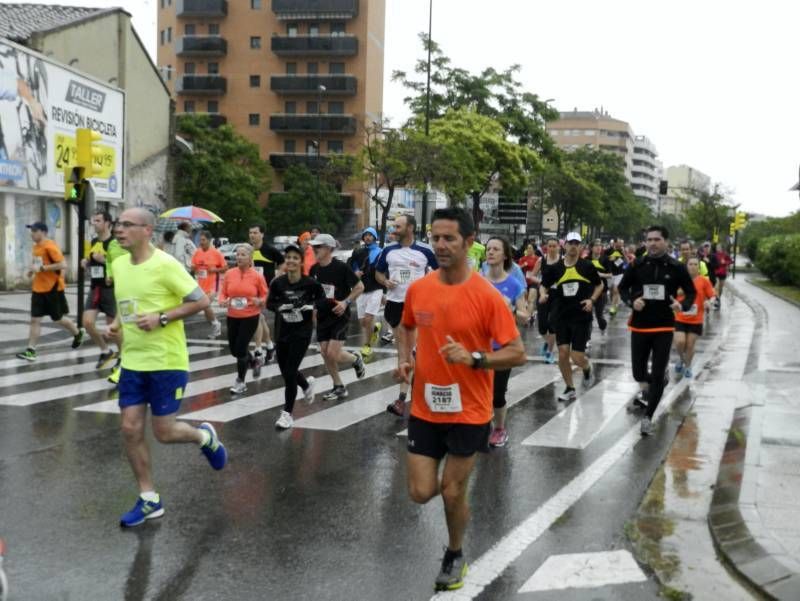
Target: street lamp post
x=541 y=191
x=424 y=220
x=320 y=90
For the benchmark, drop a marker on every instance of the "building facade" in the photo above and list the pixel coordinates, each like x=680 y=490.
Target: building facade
x=683 y=183
x=299 y=78
x=645 y=171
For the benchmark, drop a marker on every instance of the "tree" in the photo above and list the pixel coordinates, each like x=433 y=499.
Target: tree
x=224 y=173
x=307 y=201
x=572 y=195
x=481 y=155
x=709 y=213
x=491 y=93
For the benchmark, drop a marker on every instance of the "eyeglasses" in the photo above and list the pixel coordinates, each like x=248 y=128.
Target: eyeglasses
x=129 y=224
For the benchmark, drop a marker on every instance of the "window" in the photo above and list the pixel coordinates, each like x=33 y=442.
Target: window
x=311 y=147
x=169 y=34
x=254 y=119
x=289 y=147
x=337 y=28
x=188 y=106
x=169 y=71
x=213 y=29
x=162 y=35
x=255 y=81
x=336 y=107
x=336 y=68
x=255 y=42
x=255 y=4
x=312 y=68
x=290 y=108
x=335 y=146
x=313 y=29
x=312 y=107
x=291 y=68
x=162 y=3
x=188 y=68
x=189 y=29
x=292 y=30
x=213 y=68
x=213 y=106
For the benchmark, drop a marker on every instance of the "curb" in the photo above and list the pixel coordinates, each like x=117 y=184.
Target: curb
x=791 y=301
x=740 y=539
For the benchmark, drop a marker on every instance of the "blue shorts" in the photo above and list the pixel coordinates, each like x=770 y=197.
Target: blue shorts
x=163 y=390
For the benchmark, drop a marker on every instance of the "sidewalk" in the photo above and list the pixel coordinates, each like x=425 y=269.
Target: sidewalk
x=725 y=500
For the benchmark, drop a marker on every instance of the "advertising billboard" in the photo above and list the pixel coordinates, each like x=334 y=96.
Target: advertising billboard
x=42 y=103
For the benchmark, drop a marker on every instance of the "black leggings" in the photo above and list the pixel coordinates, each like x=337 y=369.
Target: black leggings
x=642 y=345
x=240 y=332
x=543 y=318
x=290 y=353
x=598 y=312
x=501 y=377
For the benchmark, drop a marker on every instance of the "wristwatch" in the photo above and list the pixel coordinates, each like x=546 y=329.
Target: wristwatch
x=478 y=360
x=162 y=319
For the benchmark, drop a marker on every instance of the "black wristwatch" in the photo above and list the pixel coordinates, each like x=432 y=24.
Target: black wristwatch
x=162 y=319
x=478 y=360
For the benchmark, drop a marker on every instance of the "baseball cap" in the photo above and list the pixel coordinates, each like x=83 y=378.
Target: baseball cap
x=37 y=225
x=573 y=236
x=323 y=240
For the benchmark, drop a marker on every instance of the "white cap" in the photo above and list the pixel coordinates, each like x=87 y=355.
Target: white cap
x=573 y=236
x=323 y=240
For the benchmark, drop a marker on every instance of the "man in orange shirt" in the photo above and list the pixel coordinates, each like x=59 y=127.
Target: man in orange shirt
x=452 y=315
x=689 y=324
x=48 y=296
x=207 y=264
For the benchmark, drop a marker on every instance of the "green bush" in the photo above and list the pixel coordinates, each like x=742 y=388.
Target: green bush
x=755 y=232
x=778 y=258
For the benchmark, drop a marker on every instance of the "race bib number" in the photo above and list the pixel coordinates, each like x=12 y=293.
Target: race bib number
x=691 y=312
x=570 y=288
x=443 y=399
x=293 y=316
x=654 y=292
x=259 y=269
x=402 y=276
x=329 y=289
x=97 y=272
x=239 y=302
x=202 y=274
x=618 y=262
x=37 y=262
x=128 y=310
x=472 y=263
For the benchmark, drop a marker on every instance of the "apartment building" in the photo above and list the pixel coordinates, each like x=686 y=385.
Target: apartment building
x=645 y=171
x=300 y=78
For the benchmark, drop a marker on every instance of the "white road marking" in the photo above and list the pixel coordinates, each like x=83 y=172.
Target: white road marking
x=584 y=570
x=245 y=406
x=50 y=358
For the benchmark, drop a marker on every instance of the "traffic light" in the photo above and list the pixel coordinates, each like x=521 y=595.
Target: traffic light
x=73 y=184
x=90 y=155
x=740 y=220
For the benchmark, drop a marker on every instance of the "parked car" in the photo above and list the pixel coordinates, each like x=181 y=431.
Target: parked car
x=229 y=253
x=281 y=242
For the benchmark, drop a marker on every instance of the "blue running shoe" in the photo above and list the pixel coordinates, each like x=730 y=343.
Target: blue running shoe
x=214 y=451
x=143 y=510
x=687 y=373
x=679 y=367
x=550 y=358
x=543 y=351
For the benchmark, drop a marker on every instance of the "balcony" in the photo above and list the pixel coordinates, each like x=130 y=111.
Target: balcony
x=196 y=9
x=201 y=85
x=201 y=46
x=290 y=159
x=335 y=85
x=295 y=10
x=315 y=45
x=215 y=120
x=302 y=123
x=346 y=201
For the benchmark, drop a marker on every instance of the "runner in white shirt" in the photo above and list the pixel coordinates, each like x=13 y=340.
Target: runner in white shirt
x=400 y=264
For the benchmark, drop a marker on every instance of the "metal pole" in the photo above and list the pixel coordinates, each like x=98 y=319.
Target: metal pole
x=424 y=220
x=81 y=244
x=320 y=88
x=735 y=248
x=541 y=208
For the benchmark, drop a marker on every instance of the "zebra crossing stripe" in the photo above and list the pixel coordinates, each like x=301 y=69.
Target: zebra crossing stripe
x=198 y=387
x=524 y=384
x=274 y=398
x=50 y=358
x=39 y=375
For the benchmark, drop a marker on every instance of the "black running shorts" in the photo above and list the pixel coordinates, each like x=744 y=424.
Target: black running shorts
x=574 y=333
x=52 y=304
x=333 y=330
x=437 y=440
x=689 y=328
x=393 y=313
x=101 y=299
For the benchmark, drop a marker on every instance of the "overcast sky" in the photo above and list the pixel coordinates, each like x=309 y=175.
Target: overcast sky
x=712 y=83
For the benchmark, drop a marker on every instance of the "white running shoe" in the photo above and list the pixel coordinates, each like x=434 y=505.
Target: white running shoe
x=285 y=421
x=308 y=393
x=216 y=329
x=239 y=387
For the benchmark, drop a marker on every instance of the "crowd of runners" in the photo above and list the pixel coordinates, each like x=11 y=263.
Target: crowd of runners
x=453 y=307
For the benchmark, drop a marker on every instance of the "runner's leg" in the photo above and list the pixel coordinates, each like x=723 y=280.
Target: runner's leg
x=661 y=343
x=691 y=341
x=133 y=424
x=455 y=478
x=34 y=332
x=90 y=324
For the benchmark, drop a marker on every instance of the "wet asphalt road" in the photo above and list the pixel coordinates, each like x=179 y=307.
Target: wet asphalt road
x=321 y=511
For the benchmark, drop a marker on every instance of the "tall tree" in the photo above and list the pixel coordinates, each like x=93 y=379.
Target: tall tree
x=223 y=173
x=708 y=213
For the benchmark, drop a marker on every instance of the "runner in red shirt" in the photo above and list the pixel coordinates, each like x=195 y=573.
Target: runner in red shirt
x=452 y=315
x=689 y=324
x=528 y=263
x=723 y=262
x=207 y=264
